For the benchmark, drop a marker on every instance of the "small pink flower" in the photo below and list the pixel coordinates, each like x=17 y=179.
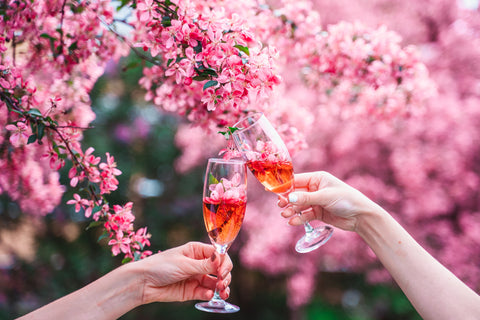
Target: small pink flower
x=120 y=244
x=78 y=202
x=110 y=165
x=90 y=159
x=145 y=9
x=19 y=133
x=141 y=238
x=56 y=163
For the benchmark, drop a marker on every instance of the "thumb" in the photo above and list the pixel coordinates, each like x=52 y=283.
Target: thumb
x=204 y=266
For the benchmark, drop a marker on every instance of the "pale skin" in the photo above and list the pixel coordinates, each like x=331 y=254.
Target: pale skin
x=434 y=291
x=178 y=274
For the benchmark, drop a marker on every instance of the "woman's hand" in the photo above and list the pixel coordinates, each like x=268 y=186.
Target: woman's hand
x=326 y=198
x=185 y=273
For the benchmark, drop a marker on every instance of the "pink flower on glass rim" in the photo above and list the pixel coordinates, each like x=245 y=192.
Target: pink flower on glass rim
x=228 y=190
x=267 y=151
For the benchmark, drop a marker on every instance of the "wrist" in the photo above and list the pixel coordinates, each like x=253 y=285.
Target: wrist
x=370 y=220
x=133 y=281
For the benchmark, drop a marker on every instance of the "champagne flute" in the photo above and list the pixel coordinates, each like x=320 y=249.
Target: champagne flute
x=224 y=204
x=268 y=159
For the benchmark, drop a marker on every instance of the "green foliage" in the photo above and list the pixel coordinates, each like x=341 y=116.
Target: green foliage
x=348 y=296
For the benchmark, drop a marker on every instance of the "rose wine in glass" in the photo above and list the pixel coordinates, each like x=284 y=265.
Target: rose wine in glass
x=268 y=159
x=224 y=205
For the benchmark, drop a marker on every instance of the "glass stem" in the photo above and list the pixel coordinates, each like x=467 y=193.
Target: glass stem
x=308 y=228
x=216 y=296
x=221 y=250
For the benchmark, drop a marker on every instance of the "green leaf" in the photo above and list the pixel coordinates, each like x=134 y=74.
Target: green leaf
x=73 y=46
x=103 y=236
x=209 y=84
x=96 y=209
x=212 y=179
x=243 y=49
x=47 y=36
x=137 y=255
x=166 y=21
x=210 y=72
x=41 y=131
x=126 y=260
x=232 y=129
x=16 y=111
x=229 y=132
x=51 y=121
x=32 y=139
x=94 y=224
x=35 y=112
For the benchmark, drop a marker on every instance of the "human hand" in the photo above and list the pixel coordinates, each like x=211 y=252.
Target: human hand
x=326 y=198
x=185 y=273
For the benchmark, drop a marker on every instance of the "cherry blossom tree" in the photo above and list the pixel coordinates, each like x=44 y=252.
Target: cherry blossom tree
x=388 y=106
x=52 y=52
x=421 y=167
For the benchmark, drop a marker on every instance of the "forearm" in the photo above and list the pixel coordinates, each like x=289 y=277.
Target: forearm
x=107 y=298
x=431 y=288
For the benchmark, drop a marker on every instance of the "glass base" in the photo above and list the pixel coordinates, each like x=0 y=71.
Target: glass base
x=217 y=306
x=314 y=239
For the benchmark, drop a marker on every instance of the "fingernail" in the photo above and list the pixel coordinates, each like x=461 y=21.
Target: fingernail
x=295 y=221
x=225 y=283
x=292 y=197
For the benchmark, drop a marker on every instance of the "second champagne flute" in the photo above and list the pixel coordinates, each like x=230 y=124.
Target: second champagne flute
x=268 y=159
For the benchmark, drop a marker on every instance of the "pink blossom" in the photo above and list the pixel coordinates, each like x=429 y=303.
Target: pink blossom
x=56 y=163
x=19 y=133
x=228 y=189
x=145 y=9
x=141 y=239
x=120 y=244
x=78 y=202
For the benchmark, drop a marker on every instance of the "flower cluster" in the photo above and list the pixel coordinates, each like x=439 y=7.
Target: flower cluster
x=119 y=228
x=51 y=54
x=365 y=71
x=226 y=190
x=267 y=151
x=212 y=68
